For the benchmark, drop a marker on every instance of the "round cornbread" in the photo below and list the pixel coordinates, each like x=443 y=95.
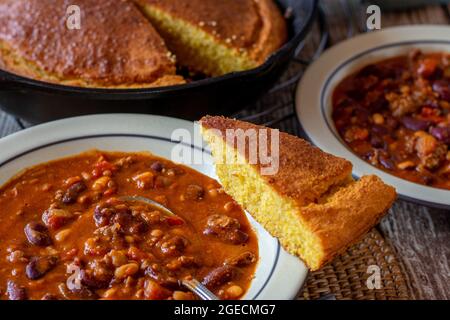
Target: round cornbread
x=115 y=46
x=124 y=43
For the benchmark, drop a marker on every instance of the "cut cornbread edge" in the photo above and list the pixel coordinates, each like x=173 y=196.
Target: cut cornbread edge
x=201 y=53
x=315 y=232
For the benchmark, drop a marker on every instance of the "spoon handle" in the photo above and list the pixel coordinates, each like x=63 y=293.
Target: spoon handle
x=199 y=289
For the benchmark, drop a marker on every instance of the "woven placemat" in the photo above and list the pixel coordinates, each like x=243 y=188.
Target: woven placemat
x=346 y=277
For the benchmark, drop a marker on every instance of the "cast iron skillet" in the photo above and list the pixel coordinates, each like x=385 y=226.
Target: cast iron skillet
x=37 y=101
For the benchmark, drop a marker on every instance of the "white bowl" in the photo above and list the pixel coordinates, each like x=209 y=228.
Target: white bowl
x=314 y=93
x=278 y=274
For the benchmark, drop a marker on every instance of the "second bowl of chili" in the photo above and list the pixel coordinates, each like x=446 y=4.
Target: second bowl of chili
x=381 y=101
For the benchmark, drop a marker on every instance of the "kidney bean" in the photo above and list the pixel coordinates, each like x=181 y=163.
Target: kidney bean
x=379 y=130
x=377 y=142
x=16 y=292
x=379 y=105
x=157 y=166
x=37 y=234
x=39 y=266
x=391 y=123
x=386 y=162
x=369 y=70
x=442 y=87
x=441 y=133
x=72 y=193
x=415 y=124
x=219 y=276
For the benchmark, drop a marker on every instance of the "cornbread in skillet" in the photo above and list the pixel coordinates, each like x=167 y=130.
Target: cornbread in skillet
x=115 y=47
x=311 y=204
x=217 y=36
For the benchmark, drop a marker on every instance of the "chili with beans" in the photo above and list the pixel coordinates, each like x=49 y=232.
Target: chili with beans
x=395 y=114
x=65 y=234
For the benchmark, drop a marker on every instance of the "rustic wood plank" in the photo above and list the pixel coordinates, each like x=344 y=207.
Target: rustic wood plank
x=420 y=237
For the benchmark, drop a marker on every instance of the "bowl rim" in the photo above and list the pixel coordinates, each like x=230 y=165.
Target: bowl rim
x=312 y=109
x=23 y=144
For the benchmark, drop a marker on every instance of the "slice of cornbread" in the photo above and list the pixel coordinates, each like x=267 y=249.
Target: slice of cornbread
x=311 y=204
x=115 y=45
x=217 y=37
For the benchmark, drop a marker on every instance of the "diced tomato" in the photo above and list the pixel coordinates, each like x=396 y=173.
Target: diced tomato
x=174 y=221
x=427 y=67
x=101 y=167
x=431 y=114
x=153 y=291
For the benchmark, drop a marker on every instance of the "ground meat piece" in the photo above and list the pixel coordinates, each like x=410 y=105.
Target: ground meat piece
x=102 y=215
x=130 y=224
x=95 y=279
x=172 y=245
x=425 y=144
x=182 y=262
x=194 y=192
x=402 y=104
x=434 y=159
x=225 y=228
x=162 y=276
x=120 y=215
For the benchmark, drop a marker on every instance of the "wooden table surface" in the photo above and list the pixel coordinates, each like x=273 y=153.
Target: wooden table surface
x=419 y=235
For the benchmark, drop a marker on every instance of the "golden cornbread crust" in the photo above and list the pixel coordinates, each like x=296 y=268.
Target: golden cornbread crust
x=305 y=172
x=116 y=46
x=312 y=205
x=255 y=27
x=348 y=214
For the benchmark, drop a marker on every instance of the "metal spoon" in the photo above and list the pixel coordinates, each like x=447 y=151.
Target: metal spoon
x=192 y=284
